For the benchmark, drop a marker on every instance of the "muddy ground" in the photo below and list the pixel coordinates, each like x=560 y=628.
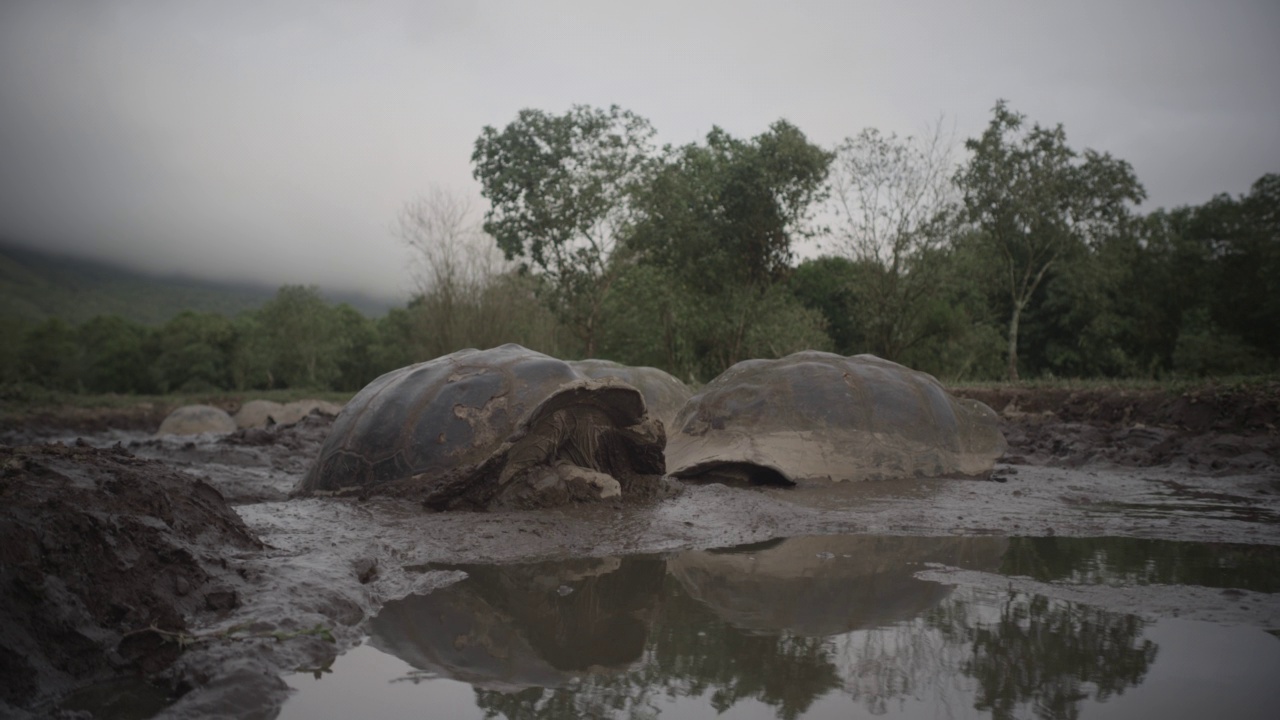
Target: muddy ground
x=176 y=571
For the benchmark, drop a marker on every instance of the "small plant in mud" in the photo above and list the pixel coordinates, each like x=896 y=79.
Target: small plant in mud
x=185 y=640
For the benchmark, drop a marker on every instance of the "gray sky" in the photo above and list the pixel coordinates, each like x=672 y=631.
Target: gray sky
x=276 y=141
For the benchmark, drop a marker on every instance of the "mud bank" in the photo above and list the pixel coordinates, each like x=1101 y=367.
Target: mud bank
x=106 y=543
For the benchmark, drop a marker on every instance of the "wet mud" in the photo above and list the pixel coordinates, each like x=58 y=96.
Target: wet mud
x=181 y=563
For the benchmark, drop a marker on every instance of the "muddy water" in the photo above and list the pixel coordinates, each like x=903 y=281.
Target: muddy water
x=830 y=626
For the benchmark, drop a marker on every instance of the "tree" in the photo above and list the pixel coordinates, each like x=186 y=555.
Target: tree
x=895 y=208
x=355 y=360
x=1166 y=281
x=829 y=285
x=193 y=353
x=1242 y=237
x=726 y=213
x=1035 y=200
x=116 y=358
x=453 y=263
x=718 y=220
x=468 y=295
x=560 y=189
x=300 y=333
x=51 y=357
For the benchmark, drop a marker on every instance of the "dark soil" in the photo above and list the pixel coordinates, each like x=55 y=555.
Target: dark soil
x=1209 y=429
x=1251 y=409
x=62 y=419
x=96 y=548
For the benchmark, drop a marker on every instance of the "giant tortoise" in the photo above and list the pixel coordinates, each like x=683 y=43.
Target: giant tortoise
x=819 y=416
x=664 y=395
x=483 y=428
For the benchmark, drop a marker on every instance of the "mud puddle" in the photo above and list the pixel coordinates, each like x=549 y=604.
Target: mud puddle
x=829 y=626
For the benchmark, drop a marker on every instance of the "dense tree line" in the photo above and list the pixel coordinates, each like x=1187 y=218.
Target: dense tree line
x=296 y=340
x=1027 y=259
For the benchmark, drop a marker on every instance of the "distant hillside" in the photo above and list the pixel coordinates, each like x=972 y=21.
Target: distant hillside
x=35 y=285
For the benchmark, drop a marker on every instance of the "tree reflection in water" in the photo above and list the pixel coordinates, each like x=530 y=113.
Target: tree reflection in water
x=625 y=637
x=1048 y=654
x=1133 y=561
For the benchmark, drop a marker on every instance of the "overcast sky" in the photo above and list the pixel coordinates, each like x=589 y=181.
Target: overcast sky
x=276 y=141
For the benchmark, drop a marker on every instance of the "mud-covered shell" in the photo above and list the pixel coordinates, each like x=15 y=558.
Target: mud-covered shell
x=664 y=395
x=819 y=416
x=451 y=415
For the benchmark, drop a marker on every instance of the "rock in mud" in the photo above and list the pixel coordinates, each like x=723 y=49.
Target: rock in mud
x=295 y=411
x=98 y=549
x=506 y=427
x=264 y=413
x=257 y=414
x=197 y=419
x=816 y=416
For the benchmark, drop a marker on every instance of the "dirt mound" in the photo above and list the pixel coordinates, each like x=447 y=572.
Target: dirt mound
x=97 y=546
x=1209 y=408
x=36 y=422
x=1221 y=430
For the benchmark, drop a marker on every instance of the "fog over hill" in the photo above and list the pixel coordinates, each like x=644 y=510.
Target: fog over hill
x=36 y=284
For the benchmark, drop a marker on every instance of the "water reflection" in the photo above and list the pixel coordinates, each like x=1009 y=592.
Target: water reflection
x=799 y=622
x=1131 y=561
x=509 y=627
x=821 y=586
x=1051 y=655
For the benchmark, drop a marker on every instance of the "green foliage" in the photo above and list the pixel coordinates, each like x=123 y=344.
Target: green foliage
x=560 y=189
x=896 y=216
x=724 y=214
x=50 y=356
x=117 y=355
x=498 y=309
x=957 y=337
x=830 y=285
x=193 y=353
x=711 y=247
x=1205 y=349
x=14 y=330
x=1242 y=237
x=1036 y=201
x=684 y=260
x=301 y=335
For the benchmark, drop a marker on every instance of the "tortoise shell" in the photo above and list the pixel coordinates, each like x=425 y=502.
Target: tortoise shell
x=816 y=415
x=457 y=430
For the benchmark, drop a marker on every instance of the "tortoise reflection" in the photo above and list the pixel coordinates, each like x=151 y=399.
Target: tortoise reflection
x=513 y=626
x=825 y=585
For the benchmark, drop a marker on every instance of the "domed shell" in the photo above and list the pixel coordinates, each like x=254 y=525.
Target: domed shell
x=819 y=416
x=197 y=419
x=438 y=429
x=664 y=395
